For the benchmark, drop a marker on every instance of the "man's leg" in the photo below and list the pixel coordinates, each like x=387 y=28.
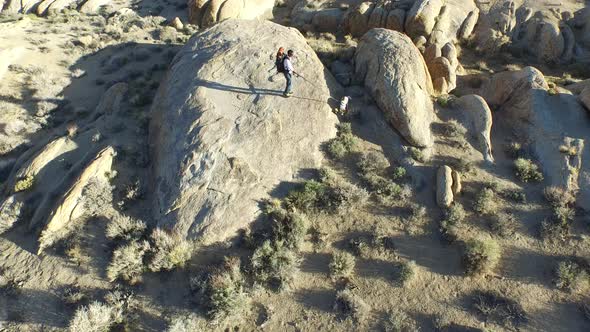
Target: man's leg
x=288 y=77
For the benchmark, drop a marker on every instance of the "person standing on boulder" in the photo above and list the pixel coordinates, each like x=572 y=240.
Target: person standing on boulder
x=288 y=72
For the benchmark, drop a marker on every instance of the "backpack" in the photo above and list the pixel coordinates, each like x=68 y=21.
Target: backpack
x=280 y=64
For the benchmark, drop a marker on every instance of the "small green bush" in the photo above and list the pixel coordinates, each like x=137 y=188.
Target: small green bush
x=169 y=251
x=399 y=321
x=127 y=262
x=372 y=162
x=343 y=143
x=399 y=173
x=570 y=276
x=481 y=256
x=331 y=195
x=417 y=154
x=527 y=171
x=558 y=196
x=517 y=196
x=274 y=265
x=24 y=184
x=289 y=228
x=342 y=266
x=350 y=305
x=485 y=202
x=554 y=231
x=514 y=150
x=407 y=272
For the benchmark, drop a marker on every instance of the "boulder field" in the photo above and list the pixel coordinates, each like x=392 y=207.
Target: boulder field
x=223 y=136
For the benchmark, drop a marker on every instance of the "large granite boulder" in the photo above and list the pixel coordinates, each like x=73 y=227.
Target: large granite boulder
x=394 y=72
x=222 y=135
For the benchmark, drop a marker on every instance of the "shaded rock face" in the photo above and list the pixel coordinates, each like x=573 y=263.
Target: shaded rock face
x=477 y=118
x=223 y=137
x=548 y=122
x=396 y=75
x=205 y=13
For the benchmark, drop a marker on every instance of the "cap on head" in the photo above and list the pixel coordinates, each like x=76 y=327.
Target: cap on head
x=290 y=52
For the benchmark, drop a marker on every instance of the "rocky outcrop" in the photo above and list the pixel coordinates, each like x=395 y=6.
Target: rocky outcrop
x=457 y=184
x=42 y=7
x=357 y=19
x=394 y=72
x=206 y=13
x=222 y=137
x=70 y=207
x=549 y=123
x=476 y=116
x=444 y=186
x=10 y=212
x=110 y=102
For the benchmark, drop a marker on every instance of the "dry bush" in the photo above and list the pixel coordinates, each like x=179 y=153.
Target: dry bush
x=342 y=266
x=372 y=162
x=485 y=202
x=454 y=128
x=274 y=265
x=514 y=150
x=96 y=317
x=452 y=222
x=73 y=295
x=169 y=251
x=499 y=309
x=559 y=196
x=349 y=304
x=227 y=299
x=373 y=168
x=527 y=171
x=127 y=262
x=125 y=228
x=417 y=219
x=504 y=225
x=183 y=324
x=571 y=276
x=481 y=256
x=417 y=154
x=399 y=321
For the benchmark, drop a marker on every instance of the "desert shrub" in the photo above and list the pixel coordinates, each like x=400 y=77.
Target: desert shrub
x=563 y=215
x=127 y=262
x=343 y=143
x=183 y=324
x=96 y=317
x=399 y=321
x=348 y=304
x=372 y=162
x=383 y=187
x=559 y=196
x=455 y=129
x=444 y=100
x=24 y=184
x=514 y=150
x=571 y=276
x=398 y=173
x=481 y=256
x=372 y=168
x=417 y=154
x=514 y=195
x=554 y=231
x=342 y=266
x=453 y=220
x=499 y=309
x=406 y=272
x=360 y=246
x=485 y=202
x=73 y=295
x=168 y=251
x=225 y=292
x=289 y=228
x=417 y=219
x=274 y=265
x=504 y=225
x=125 y=228
x=527 y=171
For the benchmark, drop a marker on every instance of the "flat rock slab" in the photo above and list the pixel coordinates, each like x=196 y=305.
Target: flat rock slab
x=223 y=136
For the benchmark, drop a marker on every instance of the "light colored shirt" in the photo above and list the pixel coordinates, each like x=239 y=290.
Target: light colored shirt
x=288 y=65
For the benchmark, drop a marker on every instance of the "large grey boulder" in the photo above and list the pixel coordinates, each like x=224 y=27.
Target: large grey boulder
x=476 y=116
x=548 y=122
x=394 y=72
x=223 y=137
x=444 y=186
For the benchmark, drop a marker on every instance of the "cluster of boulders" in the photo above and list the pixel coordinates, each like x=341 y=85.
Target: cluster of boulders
x=49 y=194
x=205 y=13
x=448 y=185
x=43 y=7
x=442 y=64
x=437 y=21
x=552 y=36
x=223 y=136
